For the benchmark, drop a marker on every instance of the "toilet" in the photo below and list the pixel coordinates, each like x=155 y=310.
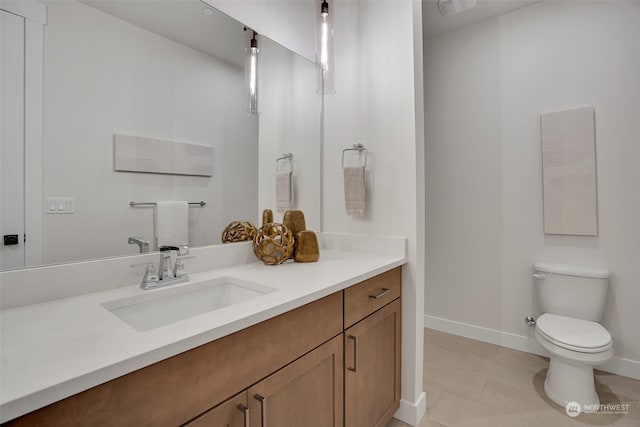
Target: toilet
x=572 y=299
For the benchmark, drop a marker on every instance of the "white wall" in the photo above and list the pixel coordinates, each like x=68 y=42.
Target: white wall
x=379 y=93
x=289 y=123
x=375 y=104
x=105 y=76
x=485 y=87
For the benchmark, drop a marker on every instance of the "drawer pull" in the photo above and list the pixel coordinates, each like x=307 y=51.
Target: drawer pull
x=263 y=408
x=355 y=354
x=245 y=412
x=380 y=294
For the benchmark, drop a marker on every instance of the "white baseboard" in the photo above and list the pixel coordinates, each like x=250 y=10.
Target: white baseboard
x=617 y=365
x=412 y=412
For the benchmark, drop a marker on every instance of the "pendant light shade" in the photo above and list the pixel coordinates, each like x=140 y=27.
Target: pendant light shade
x=324 y=48
x=251 y=63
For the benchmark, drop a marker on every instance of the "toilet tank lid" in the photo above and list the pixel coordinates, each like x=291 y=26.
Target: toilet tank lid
x=572 y=270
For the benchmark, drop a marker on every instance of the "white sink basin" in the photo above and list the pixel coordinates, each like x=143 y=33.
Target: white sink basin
x=160 y=307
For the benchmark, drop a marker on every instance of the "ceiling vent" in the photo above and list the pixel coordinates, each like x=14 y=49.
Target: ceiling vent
x=451 y=7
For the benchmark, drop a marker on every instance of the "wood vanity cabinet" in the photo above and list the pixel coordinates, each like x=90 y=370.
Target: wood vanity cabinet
x=372 y=351
x=306 y=393
x=334 y=362
x=176 y=390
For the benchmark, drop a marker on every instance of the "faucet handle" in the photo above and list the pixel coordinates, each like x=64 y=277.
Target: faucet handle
x=179 y=270
x=150 y=276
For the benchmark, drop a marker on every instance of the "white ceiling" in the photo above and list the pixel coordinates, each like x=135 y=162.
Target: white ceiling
x=433 y=22
x=182 y=21
x=221 y=36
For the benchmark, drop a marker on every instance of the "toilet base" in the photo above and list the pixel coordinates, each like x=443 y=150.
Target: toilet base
x=570 y=383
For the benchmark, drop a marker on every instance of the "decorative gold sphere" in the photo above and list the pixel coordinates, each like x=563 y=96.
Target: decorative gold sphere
x=239 y=231
x=273 y=244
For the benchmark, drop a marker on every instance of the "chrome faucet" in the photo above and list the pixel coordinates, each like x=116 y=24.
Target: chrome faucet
x=166 y=275
x=143 y=244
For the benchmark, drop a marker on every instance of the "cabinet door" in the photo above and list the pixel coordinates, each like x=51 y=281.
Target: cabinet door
x=232 y=413
x=372 y=368
x=308 y=392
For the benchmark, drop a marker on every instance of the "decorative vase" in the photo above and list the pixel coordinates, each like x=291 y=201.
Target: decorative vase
x=307 y=249
x=294 y=221
x=267 y=216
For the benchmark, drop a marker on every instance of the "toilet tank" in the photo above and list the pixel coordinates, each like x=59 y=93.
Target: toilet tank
x=571 y=290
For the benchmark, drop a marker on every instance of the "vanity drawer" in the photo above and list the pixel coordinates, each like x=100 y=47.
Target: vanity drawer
x=366 y=297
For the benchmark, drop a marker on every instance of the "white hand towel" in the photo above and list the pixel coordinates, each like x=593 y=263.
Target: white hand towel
x=354 y=192
x=172 y=223
x=284 y=191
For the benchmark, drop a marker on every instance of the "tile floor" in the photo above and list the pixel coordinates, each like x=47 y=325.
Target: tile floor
x=472 y=383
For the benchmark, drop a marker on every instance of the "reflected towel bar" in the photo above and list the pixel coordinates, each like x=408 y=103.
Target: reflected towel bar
x=134 y=204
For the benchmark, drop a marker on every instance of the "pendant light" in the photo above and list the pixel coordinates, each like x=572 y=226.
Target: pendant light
x=251 y=73
x=324 y=49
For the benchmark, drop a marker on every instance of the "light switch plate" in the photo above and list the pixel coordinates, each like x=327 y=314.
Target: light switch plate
x=60 y=205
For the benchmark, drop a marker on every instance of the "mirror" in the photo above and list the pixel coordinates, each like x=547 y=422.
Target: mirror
x=172 y=71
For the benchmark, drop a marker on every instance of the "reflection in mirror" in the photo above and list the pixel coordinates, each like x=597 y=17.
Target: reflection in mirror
x=171 y=71
x=289 y=123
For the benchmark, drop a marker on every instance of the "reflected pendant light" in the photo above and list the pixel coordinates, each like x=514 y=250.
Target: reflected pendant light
x=324 y=49
x=251 y=73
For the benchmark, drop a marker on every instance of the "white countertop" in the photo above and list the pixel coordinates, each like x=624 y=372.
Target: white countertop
x=55 y=349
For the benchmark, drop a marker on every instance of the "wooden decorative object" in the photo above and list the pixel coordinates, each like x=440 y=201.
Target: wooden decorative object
x=239 y=231
x=294 y=221
x=306 y=247
x=273 y=244
x=267 y=216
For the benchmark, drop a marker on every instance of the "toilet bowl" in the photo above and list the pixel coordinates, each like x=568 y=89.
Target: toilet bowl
x=572 y=299
x=575 y=346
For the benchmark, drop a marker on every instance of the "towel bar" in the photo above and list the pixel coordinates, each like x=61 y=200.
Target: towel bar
x=134 y=204
x=359 y=147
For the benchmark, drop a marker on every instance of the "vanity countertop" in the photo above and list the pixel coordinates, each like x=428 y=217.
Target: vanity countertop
x=55 y=349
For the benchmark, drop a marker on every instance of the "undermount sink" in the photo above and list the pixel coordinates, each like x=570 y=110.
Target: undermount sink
x=168 y=305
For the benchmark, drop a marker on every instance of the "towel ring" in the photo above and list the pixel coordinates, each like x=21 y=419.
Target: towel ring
x=285 y=156
x=359 y=147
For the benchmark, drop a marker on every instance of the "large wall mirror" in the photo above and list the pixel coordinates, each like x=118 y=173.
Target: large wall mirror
x=160 y=69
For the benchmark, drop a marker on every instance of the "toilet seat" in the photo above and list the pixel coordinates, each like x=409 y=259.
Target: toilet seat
x=578 y=335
